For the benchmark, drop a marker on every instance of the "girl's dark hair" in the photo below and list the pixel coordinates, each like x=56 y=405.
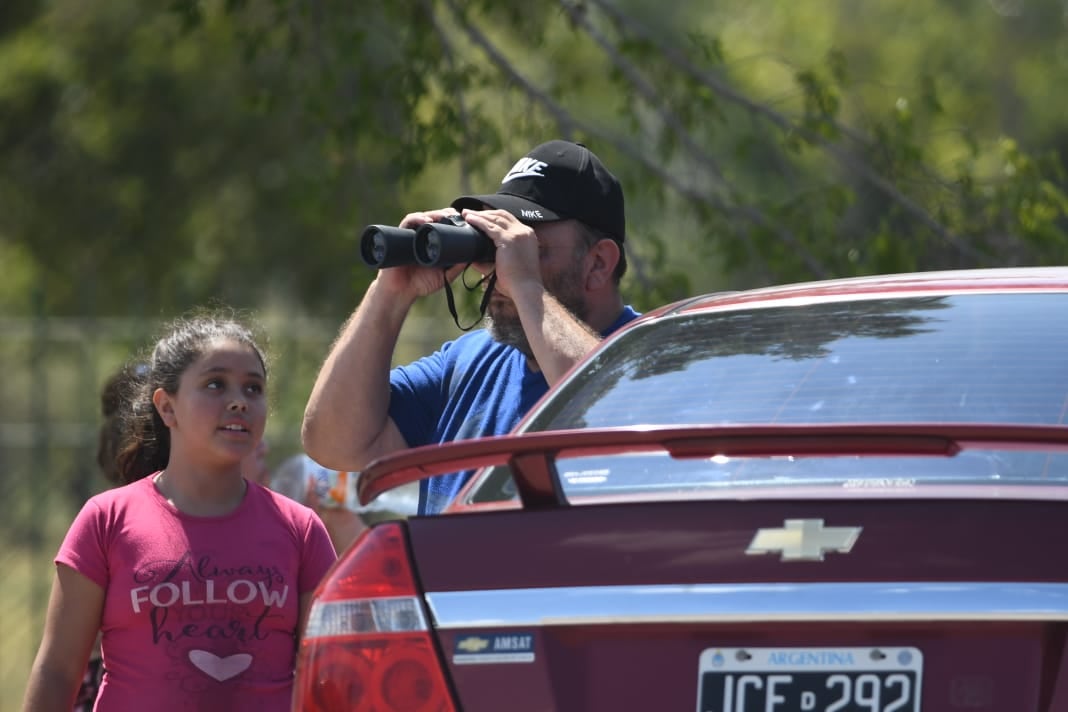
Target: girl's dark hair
x=145 y=443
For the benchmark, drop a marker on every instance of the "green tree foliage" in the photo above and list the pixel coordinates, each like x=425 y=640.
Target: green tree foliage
x=178 y=150
x=147 y=168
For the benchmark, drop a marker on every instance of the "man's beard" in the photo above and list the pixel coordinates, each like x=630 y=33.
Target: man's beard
x=566 y=287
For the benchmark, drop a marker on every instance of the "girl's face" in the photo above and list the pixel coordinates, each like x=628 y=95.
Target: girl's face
x=220 y=410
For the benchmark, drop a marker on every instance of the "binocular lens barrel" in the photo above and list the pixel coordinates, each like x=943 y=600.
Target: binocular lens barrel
x=443 y=244
x=447 y=242
x=386 y=246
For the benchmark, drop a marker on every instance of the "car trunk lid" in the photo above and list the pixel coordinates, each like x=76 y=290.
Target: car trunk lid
x=655 y=605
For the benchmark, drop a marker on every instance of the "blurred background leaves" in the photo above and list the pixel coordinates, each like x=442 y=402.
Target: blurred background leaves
x=157 y=156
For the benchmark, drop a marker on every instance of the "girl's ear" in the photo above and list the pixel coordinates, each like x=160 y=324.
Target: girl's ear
x=605 y=256
x=164 y=406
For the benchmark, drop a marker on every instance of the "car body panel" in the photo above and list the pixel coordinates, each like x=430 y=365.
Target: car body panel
x=911 y=586
x=680 y=543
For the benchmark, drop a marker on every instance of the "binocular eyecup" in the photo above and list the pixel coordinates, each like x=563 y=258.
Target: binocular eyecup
x=446 y=242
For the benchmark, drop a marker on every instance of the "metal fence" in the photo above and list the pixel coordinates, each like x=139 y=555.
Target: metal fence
x=51 y=373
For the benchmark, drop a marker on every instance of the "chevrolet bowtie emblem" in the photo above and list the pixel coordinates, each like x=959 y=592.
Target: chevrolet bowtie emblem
x=803 y=540
x=473 y=644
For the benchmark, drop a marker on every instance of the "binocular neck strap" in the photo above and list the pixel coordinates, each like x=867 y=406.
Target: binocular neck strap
x=490 y=280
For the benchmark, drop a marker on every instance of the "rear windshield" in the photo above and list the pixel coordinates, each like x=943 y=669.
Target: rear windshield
x=971 y=358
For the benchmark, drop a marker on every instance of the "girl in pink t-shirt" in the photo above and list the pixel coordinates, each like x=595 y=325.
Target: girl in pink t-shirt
x=197 y=579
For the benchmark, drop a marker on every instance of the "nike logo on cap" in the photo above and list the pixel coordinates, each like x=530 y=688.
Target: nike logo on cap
x=526 y=167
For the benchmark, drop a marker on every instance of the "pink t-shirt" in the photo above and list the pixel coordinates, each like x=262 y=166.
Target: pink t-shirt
x=200 y=613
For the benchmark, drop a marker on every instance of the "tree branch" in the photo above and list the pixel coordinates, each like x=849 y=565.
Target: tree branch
x=577 y=14
x=569 y=124
x=461 y=104
x=843 y=157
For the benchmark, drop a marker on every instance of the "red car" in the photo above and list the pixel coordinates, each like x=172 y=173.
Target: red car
x=840 y=496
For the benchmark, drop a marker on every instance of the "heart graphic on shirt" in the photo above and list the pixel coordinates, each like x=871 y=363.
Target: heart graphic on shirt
x=220 y=668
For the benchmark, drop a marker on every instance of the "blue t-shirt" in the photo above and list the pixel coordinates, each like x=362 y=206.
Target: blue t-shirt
x=471 y=387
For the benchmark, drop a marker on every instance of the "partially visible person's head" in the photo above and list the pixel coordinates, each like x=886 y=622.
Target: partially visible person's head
x=291 y=478
x=563 y=190
x=114 y=402
x=226 y=357
x=304 y=480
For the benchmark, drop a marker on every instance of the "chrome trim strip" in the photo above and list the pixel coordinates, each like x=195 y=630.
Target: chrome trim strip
x=735 y=603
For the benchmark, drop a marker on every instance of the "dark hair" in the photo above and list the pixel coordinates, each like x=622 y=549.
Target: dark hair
x=592 y=235
x=114 y=404
x=146 y=441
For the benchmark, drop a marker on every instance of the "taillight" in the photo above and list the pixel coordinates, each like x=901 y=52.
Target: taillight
x=367 y=646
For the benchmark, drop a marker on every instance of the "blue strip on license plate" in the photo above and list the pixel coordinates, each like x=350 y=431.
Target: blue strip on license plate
x=862 y=679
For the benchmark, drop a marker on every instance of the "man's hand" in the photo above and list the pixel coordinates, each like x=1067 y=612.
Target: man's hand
x=517 y=260
x=410 y=282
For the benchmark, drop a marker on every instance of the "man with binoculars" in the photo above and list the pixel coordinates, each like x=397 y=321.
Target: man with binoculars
x=557 y=228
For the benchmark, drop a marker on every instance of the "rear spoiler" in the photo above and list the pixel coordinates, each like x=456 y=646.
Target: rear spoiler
x=532 y=456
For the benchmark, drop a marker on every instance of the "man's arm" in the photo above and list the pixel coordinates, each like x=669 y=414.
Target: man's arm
x=558 y=338
x=346 y=421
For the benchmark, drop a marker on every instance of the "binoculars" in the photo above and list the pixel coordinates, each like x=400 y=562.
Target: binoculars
x=446 y=242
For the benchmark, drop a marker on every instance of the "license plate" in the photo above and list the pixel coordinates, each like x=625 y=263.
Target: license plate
x=810 y=680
